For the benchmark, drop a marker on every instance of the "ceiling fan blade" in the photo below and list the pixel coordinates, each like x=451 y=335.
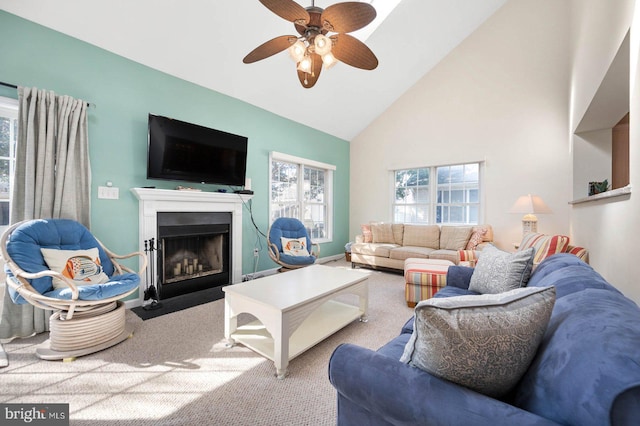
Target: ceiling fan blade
x=308 y=80
x=269 y=48
x=348 y=16
x=287 y=9
x=353 y=52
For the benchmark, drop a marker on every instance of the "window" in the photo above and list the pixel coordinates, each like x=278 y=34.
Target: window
x=441 y=194
x=8 y=140
x=303 y=189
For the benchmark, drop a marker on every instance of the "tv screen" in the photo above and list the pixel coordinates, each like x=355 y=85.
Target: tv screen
x=183 y=151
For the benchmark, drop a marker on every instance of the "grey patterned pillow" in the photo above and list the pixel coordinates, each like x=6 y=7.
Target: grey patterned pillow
x=484 y=342
x=498 y=271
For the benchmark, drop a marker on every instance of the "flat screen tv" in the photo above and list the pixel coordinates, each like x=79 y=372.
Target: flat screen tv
x=187 y=152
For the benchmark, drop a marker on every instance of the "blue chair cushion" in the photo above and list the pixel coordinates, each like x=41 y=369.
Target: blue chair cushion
x=296 y=260
x=118 y=284
x=288 y=227
x=63 y=234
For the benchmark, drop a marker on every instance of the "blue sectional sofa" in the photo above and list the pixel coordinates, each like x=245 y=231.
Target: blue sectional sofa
x=586 y=370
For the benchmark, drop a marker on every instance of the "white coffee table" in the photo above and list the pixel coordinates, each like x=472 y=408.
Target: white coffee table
x=294 y=310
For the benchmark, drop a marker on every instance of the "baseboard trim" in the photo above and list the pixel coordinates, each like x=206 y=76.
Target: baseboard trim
x=331 y=258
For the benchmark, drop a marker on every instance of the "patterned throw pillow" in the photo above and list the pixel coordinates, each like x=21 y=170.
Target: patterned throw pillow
x=544 y=245
x=81 y=266
x=366 y=233
x=484 y=342
x=294 y=246
x=581 y=252
x=497 y=271
x=476 y=238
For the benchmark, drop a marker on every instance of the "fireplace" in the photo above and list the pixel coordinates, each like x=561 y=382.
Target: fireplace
x=221 y=230
x=193 y=253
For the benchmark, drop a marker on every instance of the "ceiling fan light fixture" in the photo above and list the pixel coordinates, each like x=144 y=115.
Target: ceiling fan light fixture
x=322 y=44
x=305 y=64
x=329 y=60
x=297 y=51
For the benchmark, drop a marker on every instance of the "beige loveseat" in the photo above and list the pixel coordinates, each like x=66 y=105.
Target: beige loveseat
x=386 y=245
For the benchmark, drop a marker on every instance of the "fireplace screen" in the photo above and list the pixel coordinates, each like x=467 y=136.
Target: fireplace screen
x=194 y=252
x=192 y=257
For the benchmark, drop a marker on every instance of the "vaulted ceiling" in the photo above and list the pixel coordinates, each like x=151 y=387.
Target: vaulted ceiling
x=204 y=41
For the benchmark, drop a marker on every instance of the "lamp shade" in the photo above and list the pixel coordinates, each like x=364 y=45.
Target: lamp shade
x=530 y=204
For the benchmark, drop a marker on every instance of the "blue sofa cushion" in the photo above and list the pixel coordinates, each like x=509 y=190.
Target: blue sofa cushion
x=375 y=389
x=572 y=273
x=484 y=342
x=458 y=276
x=588 y=366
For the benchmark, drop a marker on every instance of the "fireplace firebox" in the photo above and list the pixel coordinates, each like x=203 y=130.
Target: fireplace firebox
x=193 y=252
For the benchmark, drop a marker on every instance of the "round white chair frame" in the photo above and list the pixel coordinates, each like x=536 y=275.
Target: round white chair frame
x=77 y=327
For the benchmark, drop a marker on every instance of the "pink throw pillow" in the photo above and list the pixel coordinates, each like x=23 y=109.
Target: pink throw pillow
x=366 y=233
x=476 y=238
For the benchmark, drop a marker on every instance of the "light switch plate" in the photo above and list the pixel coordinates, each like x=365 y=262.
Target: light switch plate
x=108 y=192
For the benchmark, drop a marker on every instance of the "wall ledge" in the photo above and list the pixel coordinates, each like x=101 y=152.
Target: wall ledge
x=618 y=192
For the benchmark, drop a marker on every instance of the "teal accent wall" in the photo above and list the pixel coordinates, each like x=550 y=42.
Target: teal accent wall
x=124 y=93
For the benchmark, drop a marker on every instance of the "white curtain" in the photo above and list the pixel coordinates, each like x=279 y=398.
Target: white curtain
x=52 y=180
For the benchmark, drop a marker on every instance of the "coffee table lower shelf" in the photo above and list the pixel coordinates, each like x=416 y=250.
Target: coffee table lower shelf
x=327 y=319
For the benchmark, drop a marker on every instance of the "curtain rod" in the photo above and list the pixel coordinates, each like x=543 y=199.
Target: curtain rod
x=13 y=86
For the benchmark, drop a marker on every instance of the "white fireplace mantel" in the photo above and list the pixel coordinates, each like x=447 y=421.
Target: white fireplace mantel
x=152 y=201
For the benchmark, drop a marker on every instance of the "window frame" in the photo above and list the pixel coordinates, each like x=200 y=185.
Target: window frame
x=9 y=107
x=301 y=164
x=433 y=203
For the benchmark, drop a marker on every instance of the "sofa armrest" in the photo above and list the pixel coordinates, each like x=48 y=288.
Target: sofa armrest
x=459 y=276
x=467 y=258
x=581 y=252
x=396 y=393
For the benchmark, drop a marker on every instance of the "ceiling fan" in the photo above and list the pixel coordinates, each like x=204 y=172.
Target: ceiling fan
x=313 y=49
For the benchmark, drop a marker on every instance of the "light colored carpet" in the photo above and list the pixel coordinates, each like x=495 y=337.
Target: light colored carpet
x=177 y=371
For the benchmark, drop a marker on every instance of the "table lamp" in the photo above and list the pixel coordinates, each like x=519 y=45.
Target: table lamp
x=530 y=205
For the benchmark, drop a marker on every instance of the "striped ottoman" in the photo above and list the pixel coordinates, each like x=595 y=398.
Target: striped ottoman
x=423 y=278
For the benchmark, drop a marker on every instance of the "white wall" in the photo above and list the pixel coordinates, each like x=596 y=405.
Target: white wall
x=591 y=160
x=511 y=94
x=500 y=96
x=609 y=228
